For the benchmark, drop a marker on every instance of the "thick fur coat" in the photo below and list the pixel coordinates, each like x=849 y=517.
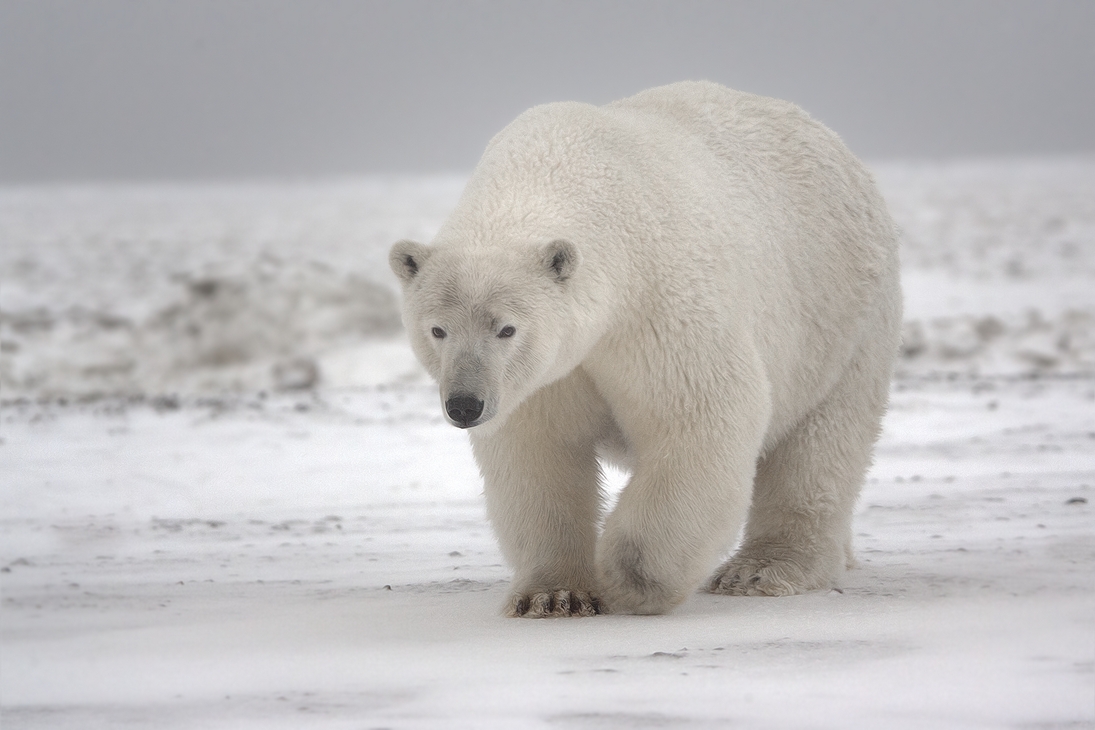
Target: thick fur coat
x=696 y=283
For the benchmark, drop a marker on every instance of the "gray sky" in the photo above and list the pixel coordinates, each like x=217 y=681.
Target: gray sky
x=155 y=89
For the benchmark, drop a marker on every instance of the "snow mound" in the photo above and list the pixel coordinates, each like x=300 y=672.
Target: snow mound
x=270 y=328
x=990 y=344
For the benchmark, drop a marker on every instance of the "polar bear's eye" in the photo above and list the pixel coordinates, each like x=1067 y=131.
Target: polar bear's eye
x=508 y=331
x=438 y=333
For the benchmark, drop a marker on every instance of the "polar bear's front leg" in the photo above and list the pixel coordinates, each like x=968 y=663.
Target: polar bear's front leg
x=672 y=521
x=542 y=488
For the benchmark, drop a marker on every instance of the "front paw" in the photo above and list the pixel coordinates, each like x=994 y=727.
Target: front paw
x=632 y=583
x=552 y=604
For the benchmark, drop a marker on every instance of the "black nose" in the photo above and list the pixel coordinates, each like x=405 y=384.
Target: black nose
x=464 y=409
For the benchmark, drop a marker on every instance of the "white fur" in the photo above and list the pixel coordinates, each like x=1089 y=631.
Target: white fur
x=704 y=287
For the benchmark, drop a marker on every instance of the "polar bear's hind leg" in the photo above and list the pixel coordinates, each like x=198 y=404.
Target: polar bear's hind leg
x=799 y=533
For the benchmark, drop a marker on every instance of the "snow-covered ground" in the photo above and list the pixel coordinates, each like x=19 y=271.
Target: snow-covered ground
x=228 y=498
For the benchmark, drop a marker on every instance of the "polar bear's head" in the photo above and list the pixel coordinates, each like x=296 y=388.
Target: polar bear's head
x=488 y=324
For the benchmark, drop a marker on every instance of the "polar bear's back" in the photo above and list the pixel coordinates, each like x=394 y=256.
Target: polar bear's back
x=771 y=150
x=742 y=129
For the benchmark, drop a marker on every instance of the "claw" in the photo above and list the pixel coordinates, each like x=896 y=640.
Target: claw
x=554 y=604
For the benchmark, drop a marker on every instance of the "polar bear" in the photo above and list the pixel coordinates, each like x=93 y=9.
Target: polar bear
x=698 y=284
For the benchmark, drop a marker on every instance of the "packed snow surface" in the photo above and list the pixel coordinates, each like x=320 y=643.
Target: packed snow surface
x=229 y=498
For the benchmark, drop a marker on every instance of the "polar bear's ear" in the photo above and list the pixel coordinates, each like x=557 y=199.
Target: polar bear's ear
x=406 y=258
x=561 y=259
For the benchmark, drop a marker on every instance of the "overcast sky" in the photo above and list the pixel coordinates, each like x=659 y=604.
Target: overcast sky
x=153 y=89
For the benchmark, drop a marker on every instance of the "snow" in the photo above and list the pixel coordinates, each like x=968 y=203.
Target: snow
x=229 y=498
